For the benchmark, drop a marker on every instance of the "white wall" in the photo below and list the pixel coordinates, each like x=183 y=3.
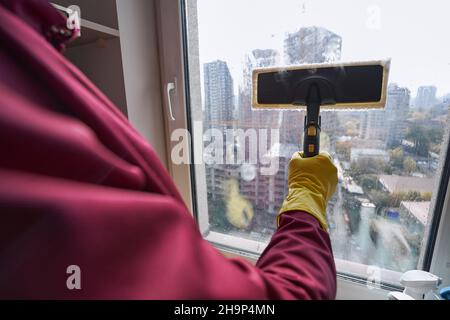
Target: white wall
x=141 y=71
x=101 y=62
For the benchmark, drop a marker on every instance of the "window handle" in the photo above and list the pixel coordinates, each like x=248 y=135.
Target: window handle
x=170 y=87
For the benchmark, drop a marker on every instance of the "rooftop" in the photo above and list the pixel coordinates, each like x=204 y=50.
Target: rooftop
x=419 y=209
x=395 y=184
x=369 y=152
x=357 y=153
x=354 y=188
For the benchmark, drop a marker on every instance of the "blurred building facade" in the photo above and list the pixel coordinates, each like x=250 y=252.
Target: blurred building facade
x=388 y=124
x=218 y=116
x=265 y=192
x=426 y=97
x=219 y=96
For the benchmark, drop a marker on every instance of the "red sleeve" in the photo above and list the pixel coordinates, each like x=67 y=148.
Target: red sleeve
x=66 y=199
x=80 y=186
x=298 y=263
x=136 y=245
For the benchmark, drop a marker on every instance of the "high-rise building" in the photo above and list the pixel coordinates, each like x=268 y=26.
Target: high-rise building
x=446 y=98
x=257 y=190
x=426 y=97
x=372 y=125
x=397 y=109
x=219 y=114
x=312 y=45
x=267 y=192
x=389 y=124
x=219 y=97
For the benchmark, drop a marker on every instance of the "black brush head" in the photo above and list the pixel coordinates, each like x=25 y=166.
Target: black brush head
x=343 y=85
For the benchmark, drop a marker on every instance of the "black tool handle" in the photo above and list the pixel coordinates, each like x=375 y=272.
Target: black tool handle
x=311 y=137
x=311 y=140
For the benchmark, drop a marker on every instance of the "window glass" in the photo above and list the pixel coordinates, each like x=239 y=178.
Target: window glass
x=387 y=159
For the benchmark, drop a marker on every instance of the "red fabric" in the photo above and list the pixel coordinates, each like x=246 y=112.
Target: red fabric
x=79 y=186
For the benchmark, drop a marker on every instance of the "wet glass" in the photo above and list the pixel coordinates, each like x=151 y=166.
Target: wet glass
x=388 y=160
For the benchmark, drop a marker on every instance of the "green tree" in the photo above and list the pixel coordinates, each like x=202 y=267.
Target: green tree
x=426 y=196
x=409 y=165
x=421 y=138
x=369 y=166
x=368 y=182
x=396 y=157
x=436 y=135
x=217 y=214
x=383 y=200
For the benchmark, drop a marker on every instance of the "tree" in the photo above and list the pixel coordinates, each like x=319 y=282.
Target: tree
x=217 y=214
x=410 y=196
x=436 y=137
x=396 y=156
x=383 y=200
x=364 y=166
x=426 y=196
x=436 y=134
x=409 y=164
x=368 y=182
x=421 y=138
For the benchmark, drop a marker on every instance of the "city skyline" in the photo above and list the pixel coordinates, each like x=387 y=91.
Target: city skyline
x=379 y=198
x=313 y=45
x=418 y=60
x=412 y=103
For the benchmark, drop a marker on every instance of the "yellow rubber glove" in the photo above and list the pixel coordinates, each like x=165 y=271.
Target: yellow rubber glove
x=311 y=182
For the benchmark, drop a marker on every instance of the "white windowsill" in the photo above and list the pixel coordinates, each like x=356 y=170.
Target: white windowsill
x=251 y=249
x=347 y=288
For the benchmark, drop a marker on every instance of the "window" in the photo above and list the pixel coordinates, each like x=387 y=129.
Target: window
x=389 y=161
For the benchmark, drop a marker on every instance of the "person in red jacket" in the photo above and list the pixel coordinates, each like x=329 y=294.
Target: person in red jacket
x=80 y=188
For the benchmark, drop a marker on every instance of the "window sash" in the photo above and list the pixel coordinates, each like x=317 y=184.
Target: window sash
x=437 y=234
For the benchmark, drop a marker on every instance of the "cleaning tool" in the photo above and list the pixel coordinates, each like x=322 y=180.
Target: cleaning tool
x=355 y=85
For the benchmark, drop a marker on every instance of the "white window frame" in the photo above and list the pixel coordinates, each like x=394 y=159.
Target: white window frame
x=173 y=62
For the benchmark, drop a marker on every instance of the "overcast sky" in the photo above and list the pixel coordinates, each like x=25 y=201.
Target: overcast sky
x=413 y=33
